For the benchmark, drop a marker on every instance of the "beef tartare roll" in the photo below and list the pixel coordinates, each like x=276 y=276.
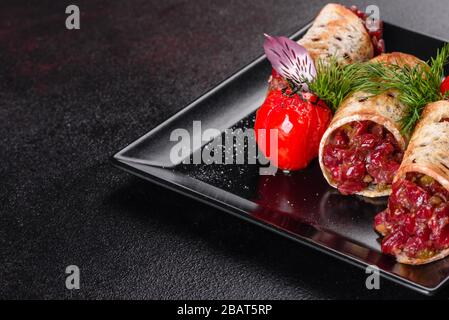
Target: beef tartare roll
x=361 y=151
x=416 y=222
x=339 y=32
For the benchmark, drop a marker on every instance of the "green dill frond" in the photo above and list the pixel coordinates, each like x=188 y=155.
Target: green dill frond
x=417 y=86
x=438 y=63
x=334 y=82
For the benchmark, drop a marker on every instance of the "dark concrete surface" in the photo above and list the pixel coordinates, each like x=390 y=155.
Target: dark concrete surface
x=70 y=99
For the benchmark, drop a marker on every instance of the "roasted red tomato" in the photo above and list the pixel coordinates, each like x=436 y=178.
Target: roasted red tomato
x=445 y=85
x=300 y=123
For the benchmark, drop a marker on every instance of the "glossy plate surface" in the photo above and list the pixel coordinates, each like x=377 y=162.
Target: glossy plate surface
x=299 y=205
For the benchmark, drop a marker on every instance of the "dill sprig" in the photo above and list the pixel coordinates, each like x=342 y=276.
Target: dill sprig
x=417 y=86
x=334 y=82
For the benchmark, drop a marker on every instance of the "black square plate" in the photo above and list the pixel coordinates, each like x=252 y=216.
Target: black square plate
x=301 y=205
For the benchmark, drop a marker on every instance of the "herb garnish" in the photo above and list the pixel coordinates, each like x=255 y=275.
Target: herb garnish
x=334 y=82
x=417 y=86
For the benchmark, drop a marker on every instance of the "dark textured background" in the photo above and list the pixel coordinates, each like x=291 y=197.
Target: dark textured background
x=70 y=99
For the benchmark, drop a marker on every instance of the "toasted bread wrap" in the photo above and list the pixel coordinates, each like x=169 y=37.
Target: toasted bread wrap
x=338 y=32
x=360 y=117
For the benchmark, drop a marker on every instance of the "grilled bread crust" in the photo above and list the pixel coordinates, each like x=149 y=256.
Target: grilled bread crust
x=339 y=32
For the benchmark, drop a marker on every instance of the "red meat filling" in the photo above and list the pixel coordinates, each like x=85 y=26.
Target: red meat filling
x=416 y=221
x=361 y=154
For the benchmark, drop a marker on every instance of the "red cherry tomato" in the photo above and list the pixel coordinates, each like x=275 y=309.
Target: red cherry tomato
x=445 y=86
x=300 y=123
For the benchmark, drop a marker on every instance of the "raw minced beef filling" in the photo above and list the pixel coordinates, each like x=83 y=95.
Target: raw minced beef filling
x=362 y=153
x=417 y=219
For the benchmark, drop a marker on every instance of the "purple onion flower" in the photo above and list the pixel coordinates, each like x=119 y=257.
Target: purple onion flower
x=290 y=60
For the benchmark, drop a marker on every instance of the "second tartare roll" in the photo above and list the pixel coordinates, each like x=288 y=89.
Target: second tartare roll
x=416 y=223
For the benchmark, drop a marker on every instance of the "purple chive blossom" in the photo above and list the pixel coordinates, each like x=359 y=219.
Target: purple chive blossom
x=290 y=60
